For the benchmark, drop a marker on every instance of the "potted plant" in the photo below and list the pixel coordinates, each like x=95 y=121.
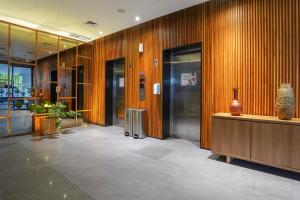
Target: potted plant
x=55 y=111
x=18 y=105
x=50 y=118
x=39 y=112
x=69 y=119
x=44 y=120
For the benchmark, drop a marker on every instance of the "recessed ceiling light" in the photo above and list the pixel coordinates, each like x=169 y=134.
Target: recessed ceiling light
x=100 y=32
x=121 y=10
x=50 y=52
x=137 y=18
x=65 y=46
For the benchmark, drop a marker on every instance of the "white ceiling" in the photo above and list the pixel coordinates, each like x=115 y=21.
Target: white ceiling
x=68 y=16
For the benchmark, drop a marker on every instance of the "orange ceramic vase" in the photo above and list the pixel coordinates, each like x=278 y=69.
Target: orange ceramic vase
x=235 y=106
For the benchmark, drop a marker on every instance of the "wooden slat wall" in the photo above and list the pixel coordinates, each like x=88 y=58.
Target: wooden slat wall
x=255 y=47
x=166 y=32
x=249 y=44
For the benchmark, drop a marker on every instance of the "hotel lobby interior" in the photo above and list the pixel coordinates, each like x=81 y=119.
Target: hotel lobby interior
x=150 y=100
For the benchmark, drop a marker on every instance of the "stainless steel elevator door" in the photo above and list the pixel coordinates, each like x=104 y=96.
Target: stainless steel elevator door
x=185 y=96
x=118 y=93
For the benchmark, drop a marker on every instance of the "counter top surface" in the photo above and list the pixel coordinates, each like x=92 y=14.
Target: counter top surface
x=260 y=118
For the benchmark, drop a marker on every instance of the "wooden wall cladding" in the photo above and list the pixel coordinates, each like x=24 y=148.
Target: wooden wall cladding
x=166 y=32
x=249 y=44
x=255 y=47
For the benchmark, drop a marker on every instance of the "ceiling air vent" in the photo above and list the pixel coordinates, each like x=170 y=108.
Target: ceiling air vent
x=91 y=23
x=79 y=37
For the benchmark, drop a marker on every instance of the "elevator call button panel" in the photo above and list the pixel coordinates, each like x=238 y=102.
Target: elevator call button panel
x=142 y=86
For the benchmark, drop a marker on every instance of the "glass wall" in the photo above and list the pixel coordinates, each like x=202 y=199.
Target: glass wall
x=46 y=71
x=4 y=81
x=84 y=84
x=36 y=67
x=22 y=62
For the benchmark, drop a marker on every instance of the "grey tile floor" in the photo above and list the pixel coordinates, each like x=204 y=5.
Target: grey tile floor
x=100 y=163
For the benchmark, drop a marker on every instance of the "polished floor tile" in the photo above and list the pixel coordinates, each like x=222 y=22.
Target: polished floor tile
x=100 y=163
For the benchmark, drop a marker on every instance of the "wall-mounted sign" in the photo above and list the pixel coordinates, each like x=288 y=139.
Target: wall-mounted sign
x=121 y=82
x=188 y=79
x=141 y=47
x=156 y=88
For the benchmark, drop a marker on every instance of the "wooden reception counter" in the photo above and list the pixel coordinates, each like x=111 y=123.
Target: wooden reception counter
x=261 y=139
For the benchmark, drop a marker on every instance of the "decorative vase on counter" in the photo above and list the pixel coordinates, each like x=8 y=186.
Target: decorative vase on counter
x=285 y=102
x=235 y=106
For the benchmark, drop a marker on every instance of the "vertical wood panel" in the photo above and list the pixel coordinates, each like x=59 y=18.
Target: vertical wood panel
x=249 y=44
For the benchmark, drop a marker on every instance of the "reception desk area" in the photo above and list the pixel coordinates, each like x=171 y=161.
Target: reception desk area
x=260 y=139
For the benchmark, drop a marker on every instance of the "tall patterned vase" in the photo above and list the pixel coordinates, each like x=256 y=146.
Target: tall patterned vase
x=285 y=102
x=235 y=106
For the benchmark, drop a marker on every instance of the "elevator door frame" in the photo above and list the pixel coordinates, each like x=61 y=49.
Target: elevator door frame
x=166 y=85
x=109 y=105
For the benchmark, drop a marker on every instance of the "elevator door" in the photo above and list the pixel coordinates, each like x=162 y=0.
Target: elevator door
x=185 y=95
x=118 y=92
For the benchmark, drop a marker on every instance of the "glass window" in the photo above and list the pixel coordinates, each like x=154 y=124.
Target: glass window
x=22 y=81
x=3 y=81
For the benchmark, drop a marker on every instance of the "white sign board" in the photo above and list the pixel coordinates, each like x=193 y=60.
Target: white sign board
x=121 y=82
x=156 y=88
x=188 y=79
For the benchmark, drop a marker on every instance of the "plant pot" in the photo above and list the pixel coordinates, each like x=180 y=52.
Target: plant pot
x=36 y=123
x=48 y=126
x=69 y=123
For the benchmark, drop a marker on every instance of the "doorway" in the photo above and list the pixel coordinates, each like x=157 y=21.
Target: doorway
x=115 y=92
x=53 y=84
x=80 y=88
x=182 y=92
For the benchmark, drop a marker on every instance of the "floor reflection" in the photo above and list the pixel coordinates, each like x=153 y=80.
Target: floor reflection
x=25 y=176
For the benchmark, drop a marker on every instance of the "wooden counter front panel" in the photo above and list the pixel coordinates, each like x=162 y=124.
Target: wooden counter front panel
x=231 y=137
x=239 y=133
x=276 y=144
x=266 y=146
x=294 y=132
x=219 y=136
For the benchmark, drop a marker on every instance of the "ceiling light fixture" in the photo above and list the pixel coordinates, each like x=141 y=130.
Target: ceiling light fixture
x=65 y=46
x=121 y=10
x=91 y=23
x=62 y=33
x=47 y=29
x=18 y=22
x=137 y=18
